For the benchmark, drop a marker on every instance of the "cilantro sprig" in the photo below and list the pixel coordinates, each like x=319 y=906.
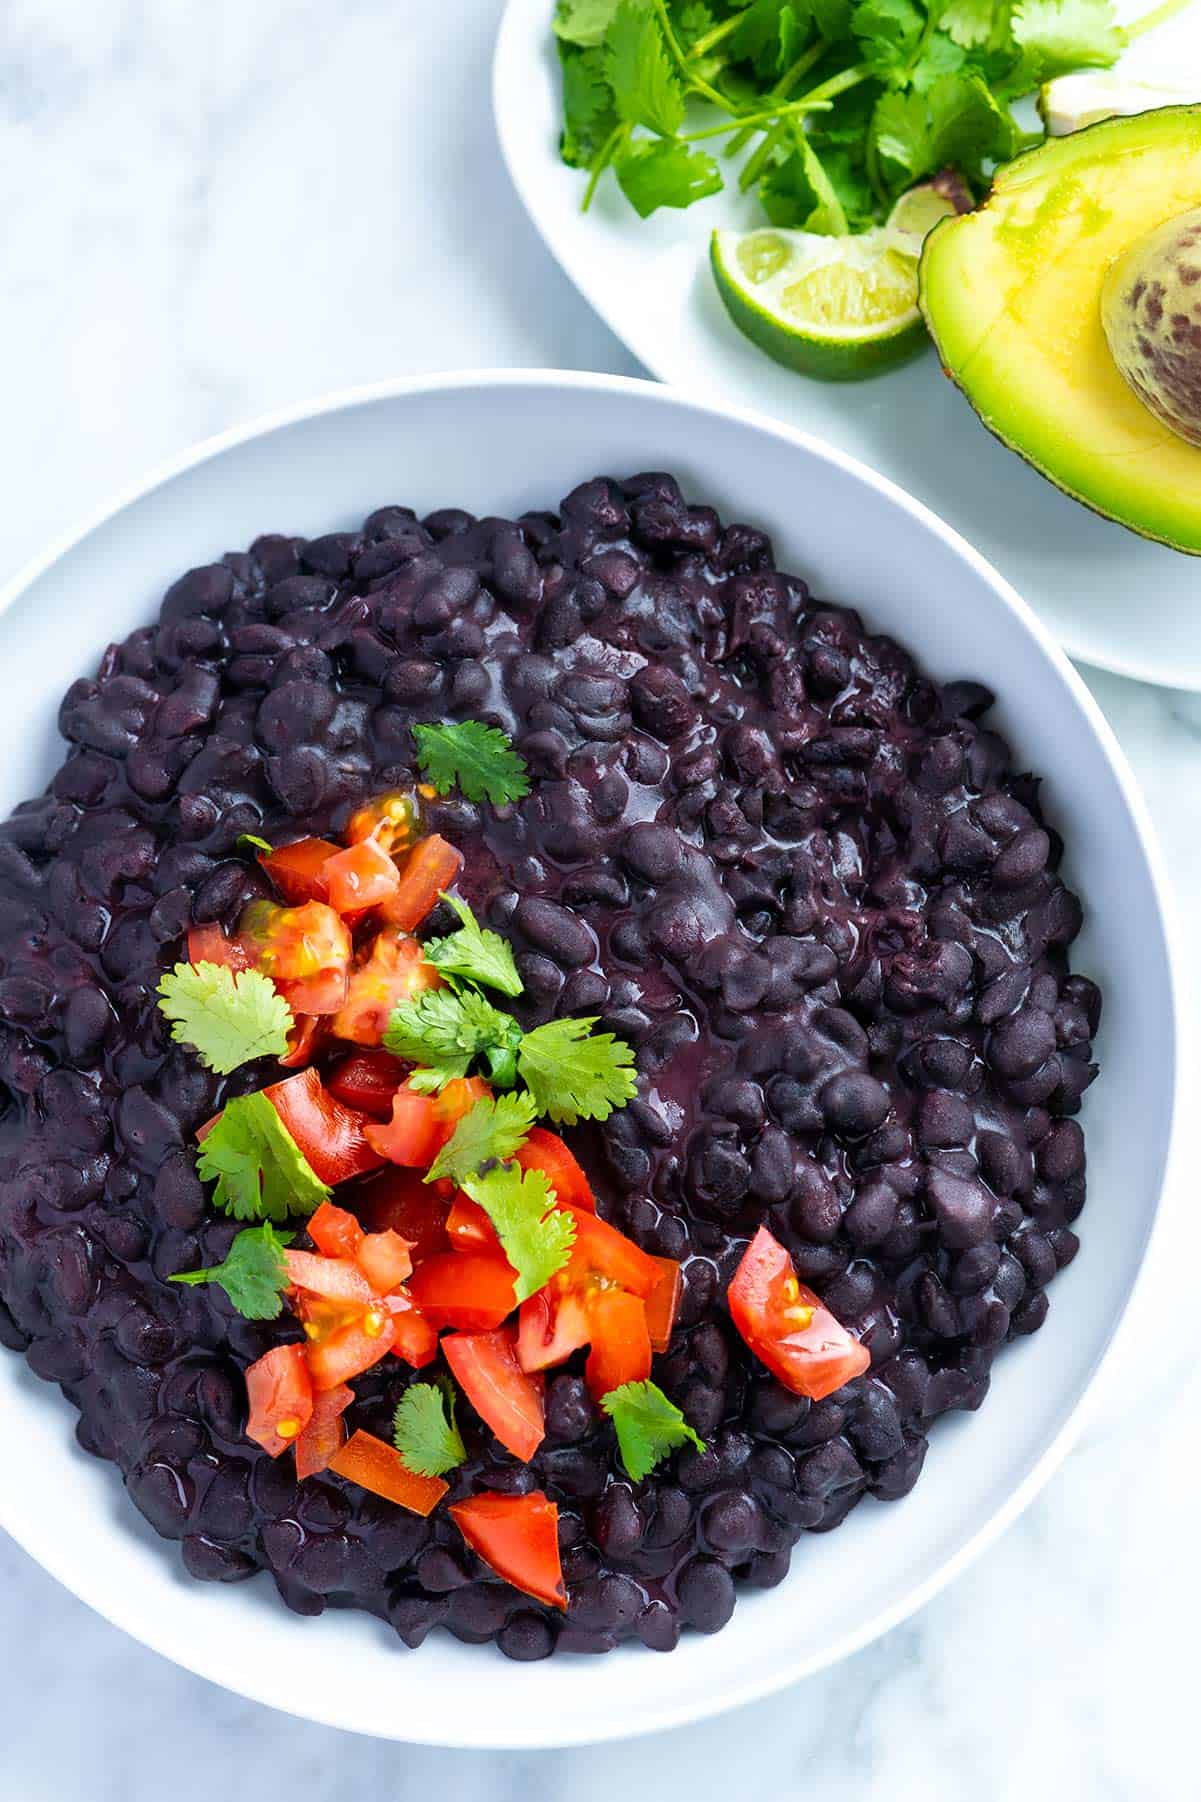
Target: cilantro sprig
x=649 y=1426
x=574 y=1073
x=259 y=1171
x=493 y=1130
x=476 y=758
x=228 y=1017
x=446 y=1030
x=424 y=1430
x=534 y=1236
x=475 y=952
x=253 y=1275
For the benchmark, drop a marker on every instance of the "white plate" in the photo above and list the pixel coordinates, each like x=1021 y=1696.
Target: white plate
x=1110 y=597
x=505 y=442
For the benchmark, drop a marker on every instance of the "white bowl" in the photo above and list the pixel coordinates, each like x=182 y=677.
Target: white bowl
x=502 y=442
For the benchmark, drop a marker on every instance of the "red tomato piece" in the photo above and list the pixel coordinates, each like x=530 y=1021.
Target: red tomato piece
x=663 y=1303
x=551 y=1325
x=458 y=1098
x=392 y=821
x=325 y=1433
x=375 y=1465
x=322 y=995
x=367 y=1081
x=621 y=1346
x=413 y=1136
x=431 y=866
x=304 y=1041
x=337 y=1279
x=209 y=945
x=471 y=1291
x=393 y=971
x=468 y=1227
x=545 y=1151
x=601 y=1251
x=329 y=1135
x=347 y=1351
x=518 y=1537
x=413 y=1338
x=786 y=1325
x=298 y=870
x=360 y=877
x=293 y=944
x=486 y=1368
x=399 y=1200
x=385 y=1260
x=280 y=1392
x=335 y=1231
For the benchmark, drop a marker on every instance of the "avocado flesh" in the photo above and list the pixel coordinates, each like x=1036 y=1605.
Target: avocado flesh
x=1011 y=294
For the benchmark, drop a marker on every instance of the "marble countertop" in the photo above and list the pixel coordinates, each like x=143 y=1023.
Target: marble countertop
x=214 y=211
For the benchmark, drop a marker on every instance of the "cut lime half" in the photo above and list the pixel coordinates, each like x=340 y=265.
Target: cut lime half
x=839 y=308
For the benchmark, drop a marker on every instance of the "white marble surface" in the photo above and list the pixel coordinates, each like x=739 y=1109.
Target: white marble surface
x=210 y=211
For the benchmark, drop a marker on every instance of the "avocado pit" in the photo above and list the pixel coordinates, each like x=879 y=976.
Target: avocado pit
x=1151 y=313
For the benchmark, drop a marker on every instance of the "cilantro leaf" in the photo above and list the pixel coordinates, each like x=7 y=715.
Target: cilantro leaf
x=254 y=1275
x=478 y=759
x=901 y=129
x=535 y=1237
x=648 y=1426
x=574 y=1073
x=424 y=1431
x=665 y=174
x=474 y=952
x=967 y=125
x=228 y=1017
x=583 y=21
x=491 y=1132
x=589 y=115
x=940 y=55
x=1057 y=36
x=889 y=32
x=640 y=70
x=260 y=1171
x=443 y=1030
x=769 y=35
x=832 y=18
x=969 y=22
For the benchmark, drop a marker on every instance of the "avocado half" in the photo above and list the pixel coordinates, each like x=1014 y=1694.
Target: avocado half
x=1012 y=296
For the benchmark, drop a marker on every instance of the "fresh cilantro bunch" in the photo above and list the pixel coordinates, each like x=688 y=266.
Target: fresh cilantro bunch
x=840 y=105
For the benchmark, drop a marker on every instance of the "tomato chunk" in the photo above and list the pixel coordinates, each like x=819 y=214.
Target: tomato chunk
x=375 y=1465
x=601 y=1251
x=663 y=1303
x=209 y=945
x=518 y=1536
x=335 y=1231
x=472 y=1290
x=280 y=1392
x=468 y=1227
x=385 y=1260
x=786 y=1325
x=337 y=1279
x=393 y=971
x=295 y=943
x=360 y=877
x=545 y=1151
x=347 y=1351
x=367 y=1081
x=320 y=995
x=413 y=1337
x=431 y=866
x=551 y=1325
x=330 y=1136
x=399 y=1200
x=392 y=820
x=304 y=1041
x=421 y=1124
x=486 y=1367
x=298 y=870
x=621 y=1346
x=325 y=1433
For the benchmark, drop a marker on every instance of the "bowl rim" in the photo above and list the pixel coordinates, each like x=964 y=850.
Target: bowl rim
x=806 y=1663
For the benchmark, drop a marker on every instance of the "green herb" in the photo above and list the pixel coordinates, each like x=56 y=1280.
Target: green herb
x=476 y=758
x=254 y=1275
x=445 y=1030
x=659 y=174
x=648 y=1426
x=254 y=842
x=639 y=67
x=424 y=1431
x=260 y=1171
x=574 y=1073
x=490 y=1133
x=535 y=1237
x=474 y=952
x=228 y=1017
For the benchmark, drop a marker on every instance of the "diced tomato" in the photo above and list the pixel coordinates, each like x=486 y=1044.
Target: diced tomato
x=280 y=1392
x=375 y=1465
x=329 y=1135
x=468 y=1227
x=304 y=1041
x=392 y=821
x=348 y=1350
x=367 y=1081
x=209 y=945
x=413 y=1337
x=471 y=1291
x=545 y=1151
x=431 y=866
x=601 y=1251
x=325 y=1433
x=621 y=1346
x=322 y=995
x=298 y=870
x=294 y=943
x=337 y=1279
x=662 y=1304
x=551 y=1325
x=518 y=1536
x=385 y=1260
x=458 y=1098
x=335 y=1231
x=786 y=1325
x=360 y=877
x=421 y=1124
x=400 y=1200
x=486 y=1367
x=393 y=971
